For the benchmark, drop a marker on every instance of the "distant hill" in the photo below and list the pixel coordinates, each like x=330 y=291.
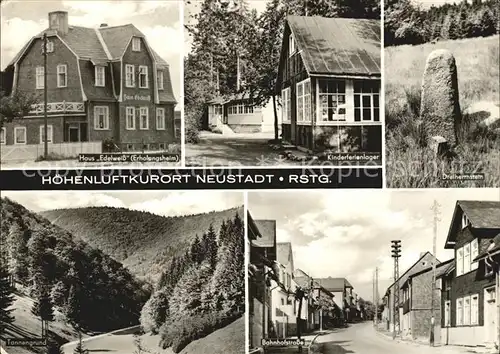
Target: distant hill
x=92 y=289
x=142 y=241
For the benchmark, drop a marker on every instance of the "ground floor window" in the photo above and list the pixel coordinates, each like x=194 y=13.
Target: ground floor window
x=20 y=135
x=286 y=113
x=160 y=119
x=49 y=134
x=304 y=101
x=240 y=108
x=366 y=101
x=143 y=118
x=468 y=310
x=3 y=136
x=130 y=118
x=216 y=109
x=101 y=118
x=332 y=100
x=447 y=306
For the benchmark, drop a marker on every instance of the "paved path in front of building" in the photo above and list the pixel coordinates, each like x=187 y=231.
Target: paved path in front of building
x=238 y=149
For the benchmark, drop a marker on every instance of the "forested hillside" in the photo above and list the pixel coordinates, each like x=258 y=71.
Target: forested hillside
x=202 y=290
x=406 y=22
x=142 y=241
x=93 y=291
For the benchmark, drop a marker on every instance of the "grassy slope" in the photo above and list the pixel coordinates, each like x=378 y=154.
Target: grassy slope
x=478 y=75
x=228 y=340
x=142 y=241
x=28 y=326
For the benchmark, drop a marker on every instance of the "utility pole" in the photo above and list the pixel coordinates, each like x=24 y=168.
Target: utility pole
x=45 y=120
x=376 y=297
x=435 y=208
x=396 y=254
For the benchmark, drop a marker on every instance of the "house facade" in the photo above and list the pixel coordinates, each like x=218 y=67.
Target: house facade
x=262 y=248
x=470 y=292
x=417 y=303
x=284 y=313
x=425 y=260
x=239 y=114
x=329 y=81
x=344 y=298
x=103 y=84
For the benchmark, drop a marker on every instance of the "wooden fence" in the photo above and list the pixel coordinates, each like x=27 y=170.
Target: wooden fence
x=31 y=152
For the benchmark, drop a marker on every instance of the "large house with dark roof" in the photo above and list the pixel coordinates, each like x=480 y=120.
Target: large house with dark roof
x=470 y=295
x=329 y=79
x=103 y=84
x=344 y=297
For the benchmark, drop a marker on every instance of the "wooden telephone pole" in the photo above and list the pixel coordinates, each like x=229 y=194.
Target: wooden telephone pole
x=396 y=254
x=435 y=209
x=45 y=119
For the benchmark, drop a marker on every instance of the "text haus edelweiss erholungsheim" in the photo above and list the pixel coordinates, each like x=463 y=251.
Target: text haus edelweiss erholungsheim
x=104 y=84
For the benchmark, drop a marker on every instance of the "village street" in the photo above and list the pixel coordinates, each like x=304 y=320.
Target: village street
x=361 y=338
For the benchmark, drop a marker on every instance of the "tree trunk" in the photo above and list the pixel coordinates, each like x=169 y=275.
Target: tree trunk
x=276 y=126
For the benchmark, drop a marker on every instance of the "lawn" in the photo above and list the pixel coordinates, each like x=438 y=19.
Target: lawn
x=410 y=164
x=26 y=325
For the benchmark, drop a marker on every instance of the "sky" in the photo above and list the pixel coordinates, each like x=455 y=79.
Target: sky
x=429 y=3
x=164 y=203
x=347 y=233
x=159 y=20
x=193 y=7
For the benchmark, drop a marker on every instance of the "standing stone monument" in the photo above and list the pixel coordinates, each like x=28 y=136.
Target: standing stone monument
x=440 y=107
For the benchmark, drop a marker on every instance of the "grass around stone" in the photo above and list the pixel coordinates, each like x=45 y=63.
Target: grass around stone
x=410 y=162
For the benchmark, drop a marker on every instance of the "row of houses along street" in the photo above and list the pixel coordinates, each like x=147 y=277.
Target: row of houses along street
x=310 y=264
x=466 y=309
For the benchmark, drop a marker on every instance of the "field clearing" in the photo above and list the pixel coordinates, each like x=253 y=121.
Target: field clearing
x=477 y=62
x=410 y=162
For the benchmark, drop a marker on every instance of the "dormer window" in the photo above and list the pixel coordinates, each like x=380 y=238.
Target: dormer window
x=465 y=221
x=159 y=78
x=136 y=44
x=100 y=80
x=291 y=44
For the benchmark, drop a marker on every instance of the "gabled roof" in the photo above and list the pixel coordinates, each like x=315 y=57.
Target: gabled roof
x=284 y=253
x=410 y=271
x=481 y=214
x=267 y=230
x=341 y=46
x=334 y=284
x=441 y=269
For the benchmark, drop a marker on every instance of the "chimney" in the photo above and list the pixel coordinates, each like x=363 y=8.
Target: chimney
x=58 y=21
x=103 y=25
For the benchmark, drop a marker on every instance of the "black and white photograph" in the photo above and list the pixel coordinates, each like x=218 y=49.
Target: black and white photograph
x=442 y=93
x=122 y=272
x=90 y=77
x=374 y=272
x=282 y=82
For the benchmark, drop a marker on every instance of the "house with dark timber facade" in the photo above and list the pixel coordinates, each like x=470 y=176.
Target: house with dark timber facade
x=329 y=81
x=262 y=271
x=470 y=315
x=104 y=84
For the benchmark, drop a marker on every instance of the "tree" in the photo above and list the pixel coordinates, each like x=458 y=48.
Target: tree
x=6 y=299
x=43 y=308
x=14 y=106
x=53 y=348
x=80 y=348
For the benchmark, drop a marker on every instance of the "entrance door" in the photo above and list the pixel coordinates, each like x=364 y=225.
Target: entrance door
x=490 y=314
x=74 y=134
